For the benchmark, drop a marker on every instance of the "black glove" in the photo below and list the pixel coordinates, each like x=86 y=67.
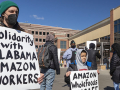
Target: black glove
x=58 y=72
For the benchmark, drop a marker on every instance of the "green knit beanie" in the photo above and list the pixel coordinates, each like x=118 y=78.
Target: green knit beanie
x=5 y=5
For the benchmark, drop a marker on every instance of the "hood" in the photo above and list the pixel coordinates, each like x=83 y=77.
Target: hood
x=50 y=38
x=80 y=64
x=48 y=42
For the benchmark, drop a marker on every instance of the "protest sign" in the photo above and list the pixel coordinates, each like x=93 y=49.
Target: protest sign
x=19 y=67
x=84 y=80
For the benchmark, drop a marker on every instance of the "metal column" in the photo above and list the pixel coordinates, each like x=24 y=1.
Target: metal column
x=102 y=49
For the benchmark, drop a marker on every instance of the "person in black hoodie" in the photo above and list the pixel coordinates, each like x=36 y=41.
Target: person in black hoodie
x=115 y=65
x=49 y=73
x=92 y=54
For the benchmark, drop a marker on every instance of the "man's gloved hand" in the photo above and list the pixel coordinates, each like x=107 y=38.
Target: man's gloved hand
x=58 y=72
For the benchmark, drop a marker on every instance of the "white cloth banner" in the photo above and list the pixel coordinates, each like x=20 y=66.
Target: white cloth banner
x=19 y=67
x=84 y=80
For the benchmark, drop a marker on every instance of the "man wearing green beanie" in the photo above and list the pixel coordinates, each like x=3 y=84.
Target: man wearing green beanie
x=9 y=13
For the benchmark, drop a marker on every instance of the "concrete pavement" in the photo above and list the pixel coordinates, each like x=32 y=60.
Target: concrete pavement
x=105 y=82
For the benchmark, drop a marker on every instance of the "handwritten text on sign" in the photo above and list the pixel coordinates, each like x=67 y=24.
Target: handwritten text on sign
x=19 y=67
x=84 y=80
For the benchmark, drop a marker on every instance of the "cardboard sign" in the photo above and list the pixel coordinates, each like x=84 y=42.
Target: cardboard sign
x=19 y=67
x=84 y=80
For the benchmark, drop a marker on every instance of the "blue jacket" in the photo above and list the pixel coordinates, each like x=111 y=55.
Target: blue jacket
x=68 y=54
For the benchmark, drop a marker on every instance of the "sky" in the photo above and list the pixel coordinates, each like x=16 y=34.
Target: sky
x=72 y=14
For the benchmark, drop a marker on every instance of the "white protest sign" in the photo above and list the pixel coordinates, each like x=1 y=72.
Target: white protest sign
x=84 y=80
x=19 y=67
x=88 y=43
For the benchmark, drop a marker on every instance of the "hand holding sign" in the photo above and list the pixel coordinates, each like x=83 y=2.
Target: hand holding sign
x=98 y=71
x=40 y=79
x=68 y=73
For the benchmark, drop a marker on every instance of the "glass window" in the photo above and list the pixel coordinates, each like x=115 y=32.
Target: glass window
x=47 y=33
x=43 y=33
x=119 y=27
x=102 y=37
x=36 y=32
x=115 y=29
x=115 y=22
x=40 y=40
x=40 y=33
x=40 y=45
x=36 y=39
x=63 y=44
x=108 y=37
x=36 y=46
x=105 y=37
x=67 y=35
x=43 y=40
x=119 y=21
x=32 y=32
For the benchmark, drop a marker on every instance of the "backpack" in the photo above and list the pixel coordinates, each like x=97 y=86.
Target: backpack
x=73 y=57
x=43 y=56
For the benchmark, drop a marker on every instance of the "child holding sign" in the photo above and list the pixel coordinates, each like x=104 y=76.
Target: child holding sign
x=79 y=64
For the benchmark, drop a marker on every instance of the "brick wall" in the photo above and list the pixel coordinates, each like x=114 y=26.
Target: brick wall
x=111 y=29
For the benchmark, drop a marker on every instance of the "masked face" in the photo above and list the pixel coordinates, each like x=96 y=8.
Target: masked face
x=10 y=16
x=73 y=45
x=12 y=19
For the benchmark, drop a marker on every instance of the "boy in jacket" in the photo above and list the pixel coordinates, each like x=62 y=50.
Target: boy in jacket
x=79 y=64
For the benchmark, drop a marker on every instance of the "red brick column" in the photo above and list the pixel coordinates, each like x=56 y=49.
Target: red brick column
x=68 y=44
x=111 y=29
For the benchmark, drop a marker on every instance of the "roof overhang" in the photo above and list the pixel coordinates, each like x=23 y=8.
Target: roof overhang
x=91 y=28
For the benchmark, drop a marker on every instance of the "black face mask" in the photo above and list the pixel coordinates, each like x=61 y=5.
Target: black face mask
x=12 y=19
x=73 y=46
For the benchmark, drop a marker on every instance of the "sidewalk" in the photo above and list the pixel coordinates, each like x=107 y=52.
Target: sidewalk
x=105 y=82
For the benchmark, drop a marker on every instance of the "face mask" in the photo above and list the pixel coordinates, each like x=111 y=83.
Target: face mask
x=12 y=19
x=73 y=46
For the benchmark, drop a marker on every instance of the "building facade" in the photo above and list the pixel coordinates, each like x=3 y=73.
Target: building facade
x=106 y=31
x=40 y=32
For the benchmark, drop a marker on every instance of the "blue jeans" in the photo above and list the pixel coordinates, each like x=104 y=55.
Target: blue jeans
x=106 y=65
x=49 y=76
x=68 y=62
x=116 y=85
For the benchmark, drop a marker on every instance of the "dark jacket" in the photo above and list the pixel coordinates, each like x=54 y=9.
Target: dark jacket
x=105 y=60
x=54 y=57
x=115 y=68
x=92 y=58
x=16 y=26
